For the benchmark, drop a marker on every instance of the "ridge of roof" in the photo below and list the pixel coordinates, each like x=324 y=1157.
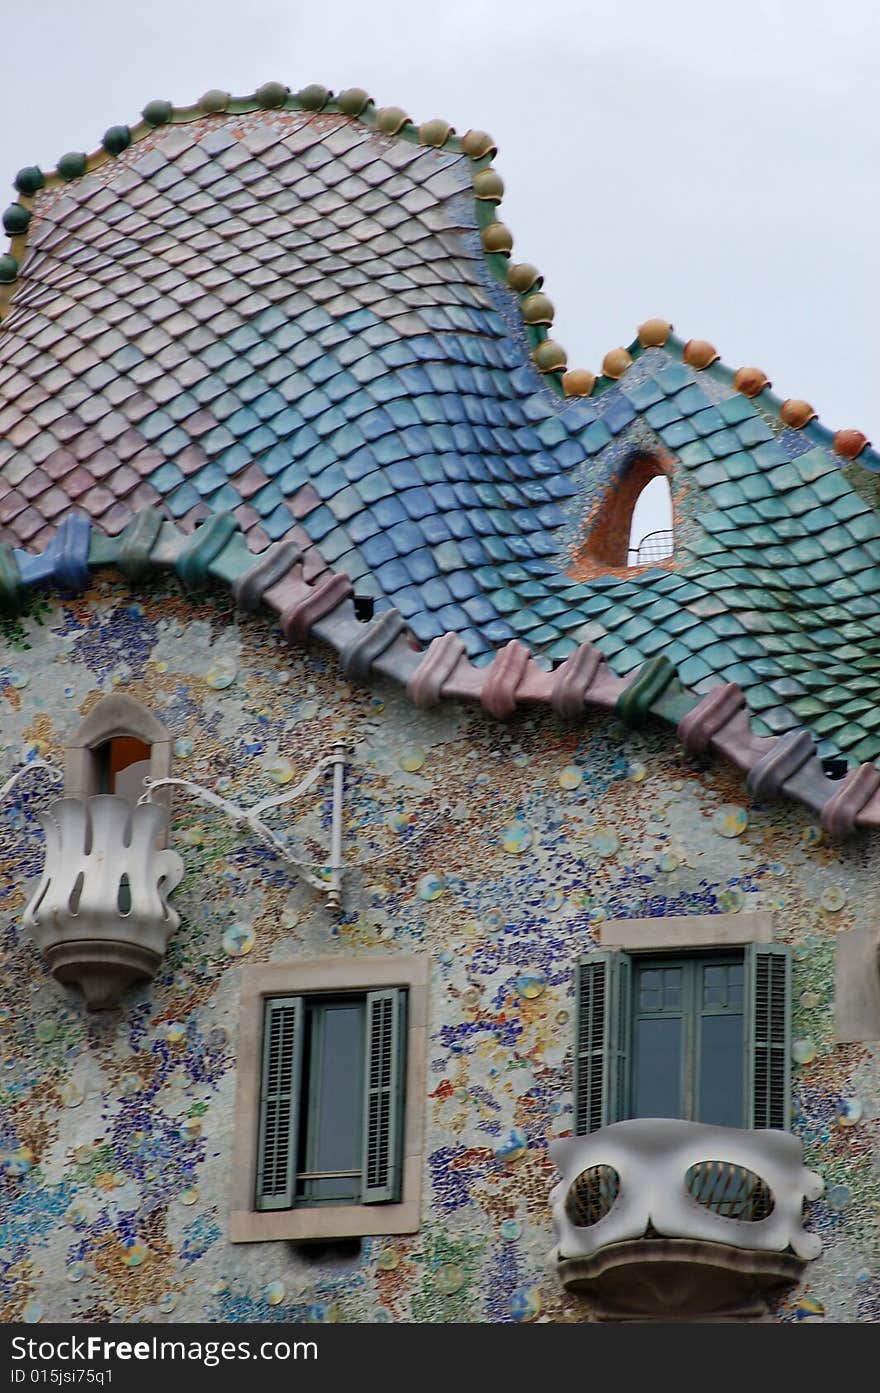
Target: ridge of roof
x=311 y=600
x=522 y=278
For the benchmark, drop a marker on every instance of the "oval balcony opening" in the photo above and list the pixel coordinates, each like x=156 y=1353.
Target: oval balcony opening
x=729 y=1190
x=592 y=1196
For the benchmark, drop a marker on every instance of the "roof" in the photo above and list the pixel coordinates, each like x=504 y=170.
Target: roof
x=301 y=312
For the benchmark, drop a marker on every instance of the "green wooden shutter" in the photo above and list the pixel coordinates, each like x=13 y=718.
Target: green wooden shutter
x=384 y=1081
x=768 y=1026
x=602 y=1034
x=279 y=1102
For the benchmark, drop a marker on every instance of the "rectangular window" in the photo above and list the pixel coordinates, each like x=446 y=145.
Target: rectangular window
x=688 y=1039
x=331 y=1100
x=699 y=1036
x=329 y=1162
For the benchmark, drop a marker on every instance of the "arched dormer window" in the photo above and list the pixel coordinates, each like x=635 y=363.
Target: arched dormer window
x=633 y=525
x=118 y=744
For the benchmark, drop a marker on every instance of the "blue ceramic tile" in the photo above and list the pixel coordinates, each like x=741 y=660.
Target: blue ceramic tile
x=389 y=511
x=644 y=394
x=753 y=430
x=182 y=499
x=560 y=487
x=376 y=423
x=436 y=530
x=336 y=545
x=498 y=631
x=374 y=486
x=425 y=625
x=167 y=477
x=393 y=578
x=479 y=609
x=473 y=551
x=407 y=600
x=459 y=523
x=596 y=437
x=462 y=584
x=619 y=413
x=679 y=433
x=420 y=564
x=403 y=413
x=406 y=537
x=691 y=400
x=418 y=502
x=570 y=454
x=672 y=378
x=389 y=449
x=466 y=495
x=259 y=440
x=579 y=414
x=436 y=593
x=377 y=548
x=496 y=548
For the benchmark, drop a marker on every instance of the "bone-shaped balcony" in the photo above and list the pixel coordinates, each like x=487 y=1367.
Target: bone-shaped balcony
x=660 y=1219
x=100 y=915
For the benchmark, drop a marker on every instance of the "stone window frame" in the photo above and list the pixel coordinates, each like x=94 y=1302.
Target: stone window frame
x=112 y=716
x=308 y=977
x=857 y=986
x=687 y=932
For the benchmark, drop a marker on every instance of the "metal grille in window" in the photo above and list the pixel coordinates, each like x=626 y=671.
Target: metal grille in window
x=730 y=1191
x=591 y=1196
x=656 y=546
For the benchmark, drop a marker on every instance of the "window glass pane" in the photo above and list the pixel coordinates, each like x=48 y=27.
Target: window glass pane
x=336 y=1080
x=650 y=989
x=672 y=988
x=658 y=1068
x=721 y=1070
x=714 y=986
x=735 y=982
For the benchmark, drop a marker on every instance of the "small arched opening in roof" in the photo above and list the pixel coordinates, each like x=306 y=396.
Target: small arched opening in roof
x=634 y=524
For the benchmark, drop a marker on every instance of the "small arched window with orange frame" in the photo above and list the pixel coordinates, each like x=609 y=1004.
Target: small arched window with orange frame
x=634 y=522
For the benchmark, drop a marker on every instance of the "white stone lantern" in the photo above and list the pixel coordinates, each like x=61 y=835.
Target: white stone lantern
x=100 y=915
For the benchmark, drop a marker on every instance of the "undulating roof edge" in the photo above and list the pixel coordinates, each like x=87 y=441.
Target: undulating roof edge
x=314 y=601
x=523 y=278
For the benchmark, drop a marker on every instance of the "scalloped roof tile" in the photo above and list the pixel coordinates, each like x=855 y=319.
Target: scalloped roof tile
x=286 y=314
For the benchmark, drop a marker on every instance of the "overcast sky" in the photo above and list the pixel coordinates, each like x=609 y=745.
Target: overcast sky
x=712 y=163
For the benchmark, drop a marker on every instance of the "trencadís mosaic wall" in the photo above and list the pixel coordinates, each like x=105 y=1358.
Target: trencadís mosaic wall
x=497 y=849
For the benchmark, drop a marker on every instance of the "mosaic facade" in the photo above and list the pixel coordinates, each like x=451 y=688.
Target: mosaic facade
x=498 y=850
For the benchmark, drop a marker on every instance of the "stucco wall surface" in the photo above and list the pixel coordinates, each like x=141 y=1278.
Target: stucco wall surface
x=498 y=850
